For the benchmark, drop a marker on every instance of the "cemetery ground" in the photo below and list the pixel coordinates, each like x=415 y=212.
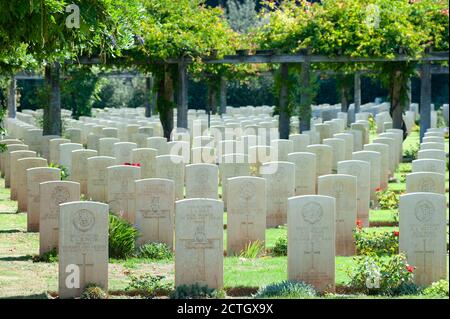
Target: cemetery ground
x=21 y=277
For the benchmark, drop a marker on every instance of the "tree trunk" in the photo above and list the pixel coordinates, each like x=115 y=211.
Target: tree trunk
x=182 y=97
x=284 y=121
x=212 y=98
x=344 y=100
x=357 y=93
x=223 y=95
x=425 y=98
x=408 y=103
x=12 y=99
x=396 y=109
x=165 y=102
x=148 y=96
x=52 y=110
x=306 y=97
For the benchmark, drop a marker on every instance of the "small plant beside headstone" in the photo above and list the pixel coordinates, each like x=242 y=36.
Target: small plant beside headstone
x=92 y=291
x=374 y=275
x=122 y=238
x=280 y=248
x=196 y=291
x=148 y=285
x=286 y=289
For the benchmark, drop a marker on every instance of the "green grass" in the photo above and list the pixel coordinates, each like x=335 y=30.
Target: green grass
x=382 y=215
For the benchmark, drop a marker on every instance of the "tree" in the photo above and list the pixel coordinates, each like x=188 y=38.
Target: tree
x=177 y=30
x=242 y=15
x=360 y=28
x=46 y=32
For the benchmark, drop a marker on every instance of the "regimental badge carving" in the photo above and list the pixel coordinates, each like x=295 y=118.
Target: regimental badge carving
x=312 y=213
x=424 y=211
x=59 y=195
x=154 y=204
x=83 y=220
x=247 y=191
x=426 y=184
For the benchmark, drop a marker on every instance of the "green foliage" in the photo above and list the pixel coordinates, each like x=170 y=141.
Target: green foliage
x=411 y=153
x=280 y=248
x=372 y=124
x=117 y=92
x=242 y=15
x=286 y=289
x=79 y=90
x=92 y=291
x=48 y=257
x=357 y=28
x=380 y=275
x=155 y=251
x=252 y=250
x=195 y=291
x=371 y=243
x=64 y=172
x=122 y=237
x=148 y=285
x=106 y=27
x=438 y=288
x=387 y=199
x=3 y=147
x=174 y=29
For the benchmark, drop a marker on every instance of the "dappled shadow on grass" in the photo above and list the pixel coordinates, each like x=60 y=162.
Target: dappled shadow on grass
x=34 y=296
x=11 y=231
x=17 y=258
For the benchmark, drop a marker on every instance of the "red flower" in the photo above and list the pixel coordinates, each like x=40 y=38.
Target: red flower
x=359 y=223
x=378 y=189
x=396 y=233
x=410 y=268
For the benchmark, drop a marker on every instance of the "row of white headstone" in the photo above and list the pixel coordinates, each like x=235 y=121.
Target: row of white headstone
x=280 y=177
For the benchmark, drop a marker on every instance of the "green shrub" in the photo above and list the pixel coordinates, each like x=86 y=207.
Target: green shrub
x=286 y=289
x=280 y=248
x=64 y=173
x=387 y=199
x=122 y=237
x=376 y=275
x=48 y=257
x=92 y=291
x=411 y=153
x=437 y=289
x=196 y=291
x=376 y=243
x=252 y=250
x=372 y=124
x=148 y=285
x=156 y=251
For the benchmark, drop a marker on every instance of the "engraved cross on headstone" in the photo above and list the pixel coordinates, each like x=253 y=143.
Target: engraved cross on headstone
x=246 y=224
x=154 y=212
x=312 y=252
x=199 y=244
x=424 y=253
x=83 y=270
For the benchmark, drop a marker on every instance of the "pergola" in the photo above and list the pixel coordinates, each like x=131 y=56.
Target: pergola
x=426 y=69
